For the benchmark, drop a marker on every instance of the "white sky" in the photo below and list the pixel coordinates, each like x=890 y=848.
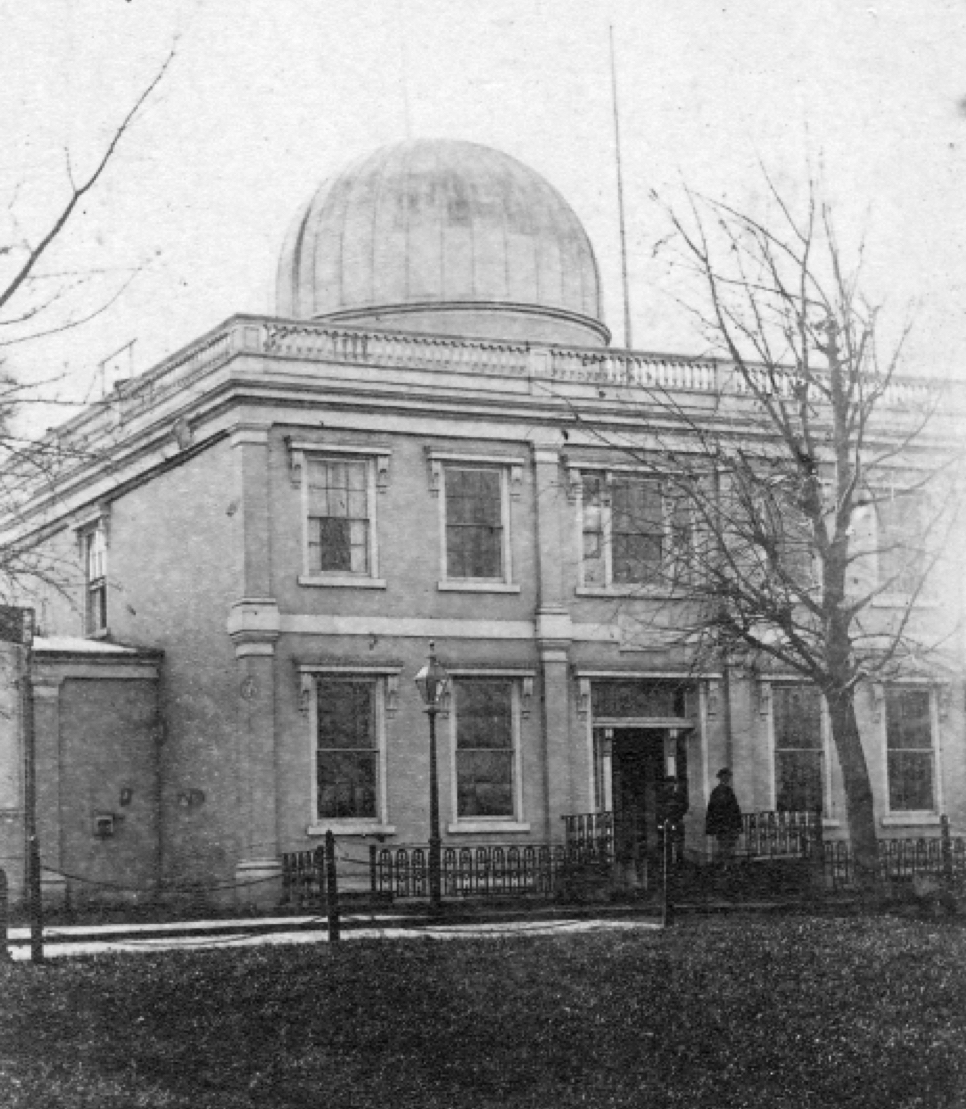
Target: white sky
x=268 y=97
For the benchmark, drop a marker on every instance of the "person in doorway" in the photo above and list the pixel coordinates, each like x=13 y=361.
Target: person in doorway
x=723 y=820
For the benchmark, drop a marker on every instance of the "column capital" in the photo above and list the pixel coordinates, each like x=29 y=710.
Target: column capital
x=47 y=688
x=547 y=454
x=254 y=624
x=250 y=433
x=554 y=629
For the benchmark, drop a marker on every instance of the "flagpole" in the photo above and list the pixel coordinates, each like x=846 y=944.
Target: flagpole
x=628 y=339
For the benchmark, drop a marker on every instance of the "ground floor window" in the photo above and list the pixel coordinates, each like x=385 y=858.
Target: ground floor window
x=486 y=740
x=799 y=738
x=347 y=748
x=910 y=750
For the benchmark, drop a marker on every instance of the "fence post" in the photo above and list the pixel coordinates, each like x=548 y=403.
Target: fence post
x=818 y=848
x=331 y=888
x=947 y=852
x=4 y=910
x=373 y=879
x=667 y=905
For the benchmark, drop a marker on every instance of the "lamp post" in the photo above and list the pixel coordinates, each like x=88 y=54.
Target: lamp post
x=432 y=681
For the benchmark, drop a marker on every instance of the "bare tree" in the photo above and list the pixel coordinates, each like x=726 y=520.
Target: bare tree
x=798 y=517
x=38 y=301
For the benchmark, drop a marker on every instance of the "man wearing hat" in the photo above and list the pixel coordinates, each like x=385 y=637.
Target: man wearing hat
x=723 y=820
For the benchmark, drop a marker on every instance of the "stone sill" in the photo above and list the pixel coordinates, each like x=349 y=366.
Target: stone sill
x=351 y=828
x=902 y=600
x=342 y=581
x=476 y=587
x=479 y=827
x=639 y=592
x=905 y=820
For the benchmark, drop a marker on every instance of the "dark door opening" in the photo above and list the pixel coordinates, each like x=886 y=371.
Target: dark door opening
x=644 y=761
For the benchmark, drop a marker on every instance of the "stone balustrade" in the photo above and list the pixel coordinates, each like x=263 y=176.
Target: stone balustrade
x=299 y=341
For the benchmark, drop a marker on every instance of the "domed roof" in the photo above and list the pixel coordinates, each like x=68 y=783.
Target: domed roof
x=426 y=232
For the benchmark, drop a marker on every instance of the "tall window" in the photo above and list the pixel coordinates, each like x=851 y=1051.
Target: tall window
x=485 y=747
x=900 y=528
x=799 y=747
x=339 y=516
x=94 y=546
x=639 y=531
x=635 y=532
x=474 y=522
x=911 y=755
x=347 y=752
x=786 y=534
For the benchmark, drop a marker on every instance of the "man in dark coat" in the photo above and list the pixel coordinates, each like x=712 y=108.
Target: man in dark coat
x=723 y=819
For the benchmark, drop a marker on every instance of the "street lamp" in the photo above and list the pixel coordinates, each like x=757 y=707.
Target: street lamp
x=432 y=681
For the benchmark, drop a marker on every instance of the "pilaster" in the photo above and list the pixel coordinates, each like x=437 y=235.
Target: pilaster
x=566 y=789
x=249 y=441
x=46 y=695
x=253 y=625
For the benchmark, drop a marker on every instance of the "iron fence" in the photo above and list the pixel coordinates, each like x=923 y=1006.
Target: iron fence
x=763 y=834
x=941 y=858
x=529 y=869
x=776 y=834
x=303 y=878
x=593 y=842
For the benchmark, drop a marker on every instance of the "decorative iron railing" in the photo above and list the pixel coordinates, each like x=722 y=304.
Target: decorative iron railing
x=770 y=834
x=303 y=878
x=942 y=858
x=531 y=869
x=774 y=834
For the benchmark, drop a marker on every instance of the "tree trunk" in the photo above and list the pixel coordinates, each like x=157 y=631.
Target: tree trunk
x=858 y=788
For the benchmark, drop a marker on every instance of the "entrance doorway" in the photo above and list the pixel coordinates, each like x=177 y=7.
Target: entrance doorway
x=640 y=767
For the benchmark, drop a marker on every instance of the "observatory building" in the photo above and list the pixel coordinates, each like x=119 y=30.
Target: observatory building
x=266 y=531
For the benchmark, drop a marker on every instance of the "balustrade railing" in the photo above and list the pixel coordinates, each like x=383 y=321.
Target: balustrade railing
x=318 y=341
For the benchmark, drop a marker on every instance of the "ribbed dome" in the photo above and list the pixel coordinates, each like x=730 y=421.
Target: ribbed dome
x=440 y=235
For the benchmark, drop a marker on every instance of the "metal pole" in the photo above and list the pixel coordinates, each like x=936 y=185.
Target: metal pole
x=947 y=852
x=435 y=884
x=331 y=889
x=667 y=907
x=34 y=897
x=4 y=916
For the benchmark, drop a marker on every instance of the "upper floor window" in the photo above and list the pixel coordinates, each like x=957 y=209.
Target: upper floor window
x=799 y=743
x=94 y=553
x=900 y=527
x=634 y=531
x=910 y=750
x=340 y=537
x=474 y=495
x=339 y=516
x=474 y=523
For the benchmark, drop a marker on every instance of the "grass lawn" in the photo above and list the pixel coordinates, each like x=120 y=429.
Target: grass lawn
x=717 y=1013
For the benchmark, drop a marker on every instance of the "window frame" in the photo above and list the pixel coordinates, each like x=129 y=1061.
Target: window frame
x=385 y=681
x=519 y=709
x=912 y=816
x=896 y=594
x=611 y=475
x=767 y=692
x=94 y=587
x=376 y=461
x=510 y=470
